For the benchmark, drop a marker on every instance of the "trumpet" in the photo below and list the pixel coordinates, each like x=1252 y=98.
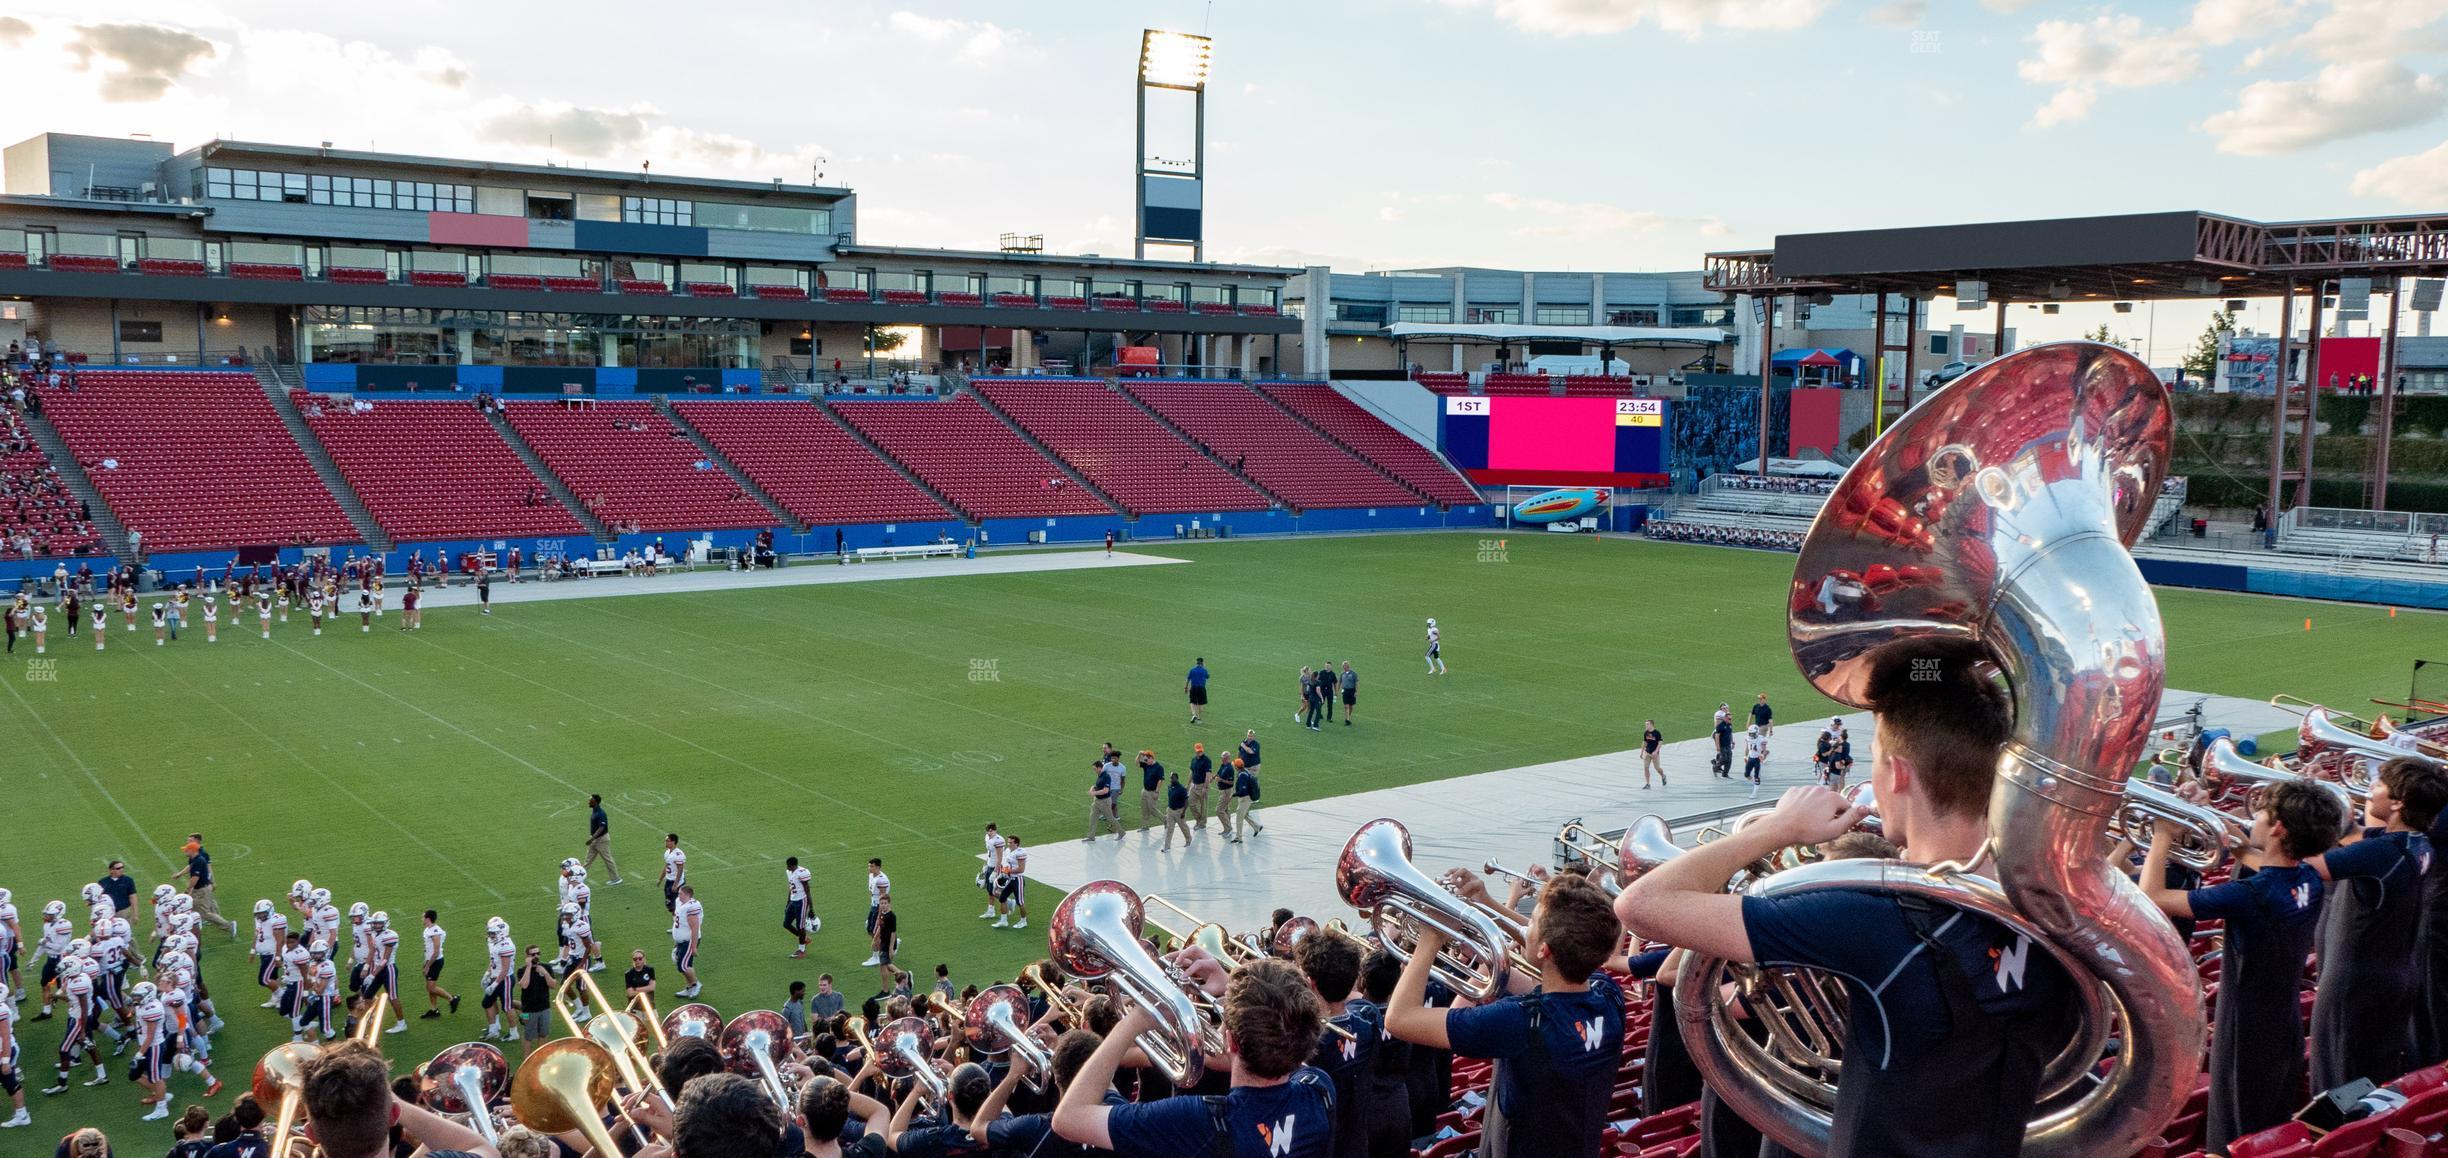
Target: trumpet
x=465 y=1079
x=1375 y=875
x=757 y=1044
x=2221 y=760
x=951 y=1018
x=998 y=1017
x=908 y=1051
x=1493 y=869
x=280 y=1079
x=1095 y=934
x=563 y=1086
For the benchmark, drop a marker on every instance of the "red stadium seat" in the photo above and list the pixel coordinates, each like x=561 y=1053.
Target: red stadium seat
x=1443 y=383
x=169 y=267
x=1125 y=453
x=12 y=261
x=38 y=517
x=905 y=297
x=264 y=271
x=1369 y=437
x=203 y=461
x=436 y=277
x=438 y=470
x=515 y=281
x=949 y=298
x=81 y=263
x=779 y=293
x=816 y=470
x=628 y=464
x=631 y=285
x=1116 y=302
x=970 y=456
x=847 y=295
x=1066 y=303
x=710 y=289
x=351 y=275
x=574 y=285
x=1016 y=301
x=1271 y=446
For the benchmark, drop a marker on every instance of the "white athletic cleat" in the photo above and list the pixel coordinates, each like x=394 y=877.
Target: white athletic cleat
x=1000 y=925
x=272 y=1004
x=872 y=959
x=397 y=1027
x=1022 y=923
x=988 y=913
x=22 y=1119
x=161 y=1110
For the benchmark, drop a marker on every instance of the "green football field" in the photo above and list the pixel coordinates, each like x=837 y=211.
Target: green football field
x=449 y=769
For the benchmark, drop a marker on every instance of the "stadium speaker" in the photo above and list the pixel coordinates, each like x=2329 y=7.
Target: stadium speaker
x=2236 y=305
x=2354 y=288
x=2123 y=307
x=2048 y=307
x=2427 y=293
x=1970 y=293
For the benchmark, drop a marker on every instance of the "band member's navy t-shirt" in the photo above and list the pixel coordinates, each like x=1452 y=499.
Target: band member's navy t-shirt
x=1913 y=971
x=1553 y=1086
x=1291 y=1120
x=1034 y=1136
x=1350 y=1061
x=2257 y=1045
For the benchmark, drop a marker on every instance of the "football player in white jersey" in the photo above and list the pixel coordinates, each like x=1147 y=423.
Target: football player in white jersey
x=500 y=953
x=58 y=932
x=433 y=937
x=688 y=928
x=360 y=947
x=561 y=886
x=1436 y=639
x=1014 y=886
x=795 y=904
x=582 y=895
x=675 y=869
x=150 y=1068
x=271 y=931
x=162 y=895
x=77 y=973
x=382 y=967
x=110 y=939
x=572 y=933
x=323 y=923
x=12 y=945
x=12 y=1072
x=320 y=983
x=294 y=960
x=986 y=875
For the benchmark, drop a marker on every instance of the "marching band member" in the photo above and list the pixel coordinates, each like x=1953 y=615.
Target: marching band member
x=2272 y=912
x=1331 y=961
x=2362 y=1011
x=1973 y=1009
x=1556 y=1046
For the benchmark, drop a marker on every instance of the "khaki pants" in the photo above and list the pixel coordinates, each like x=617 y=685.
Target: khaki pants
x=1649 y=764
x=1198 y=806
x=208 y=908
x=1103 y=813
x=1149 y=807
x=1174 y=823
x=1243 y=808
x=601 y=846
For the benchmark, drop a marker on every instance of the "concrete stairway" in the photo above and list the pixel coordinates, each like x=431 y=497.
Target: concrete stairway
x=747 y=486
x=552 y=482
x=105 y=520
x=350 y=503
x=1196 y=445
x=1077 y=479
x=898 y=466
x=1348 y=448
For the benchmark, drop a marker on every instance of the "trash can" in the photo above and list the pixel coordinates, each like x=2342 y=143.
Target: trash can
x=2201 y=528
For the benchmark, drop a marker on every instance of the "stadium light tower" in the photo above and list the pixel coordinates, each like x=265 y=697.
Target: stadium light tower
x=1171 y=193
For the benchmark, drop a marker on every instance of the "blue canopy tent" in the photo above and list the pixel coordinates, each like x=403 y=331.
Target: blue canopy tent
x=1812 y=366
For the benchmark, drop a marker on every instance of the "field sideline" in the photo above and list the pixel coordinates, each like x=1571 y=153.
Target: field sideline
x=449 y=769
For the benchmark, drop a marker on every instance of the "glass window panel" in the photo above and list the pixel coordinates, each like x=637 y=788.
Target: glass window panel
x=775 y=275
x=437 y=261
x=86 y=245
x=217 y=188
x=264 y=252
x=357 y=257
x=1422 y=313
x=174 y=248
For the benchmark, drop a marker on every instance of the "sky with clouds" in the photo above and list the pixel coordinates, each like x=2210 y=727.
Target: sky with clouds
x=1552 y=134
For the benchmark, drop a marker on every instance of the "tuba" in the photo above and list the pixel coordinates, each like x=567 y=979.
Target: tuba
x=905 y=1048
x=466 y=1079
x=1095 y=934
x=696 y=1019
x=2014 y=493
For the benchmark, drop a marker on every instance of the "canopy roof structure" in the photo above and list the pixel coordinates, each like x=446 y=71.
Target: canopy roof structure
x=1477 y=334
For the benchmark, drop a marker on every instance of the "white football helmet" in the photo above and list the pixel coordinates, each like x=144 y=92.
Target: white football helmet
x=568 y=863
x=302 y=889
x=181 y=944
x=578 y=875
x=1432 y=621
x=378 y=920
x=319 y=950
x=319 y=897
x=263 y=908
x=176 y=959
x=163 y=893
x=358 y=910
x=182 y=903
x=497 y=926
x=569 y=908
x=143 y=992
x=80 y=947
x=54 y=910
x=102 y=912
x=6 y=896
x=94 y=895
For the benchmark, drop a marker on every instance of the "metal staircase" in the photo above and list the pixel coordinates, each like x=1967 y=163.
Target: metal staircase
x=72 y=473
x=552 y=482
x=747 y=486
x=1348 y=448
x=351 y=504
x=1077 y=479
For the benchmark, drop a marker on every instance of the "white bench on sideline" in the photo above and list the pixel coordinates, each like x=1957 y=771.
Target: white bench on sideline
x=921 y=551
x=601 y=566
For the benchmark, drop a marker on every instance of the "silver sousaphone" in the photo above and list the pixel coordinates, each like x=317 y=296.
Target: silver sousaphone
x=1998 y=514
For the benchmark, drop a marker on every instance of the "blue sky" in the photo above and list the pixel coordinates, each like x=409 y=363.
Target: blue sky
x=1585 y=134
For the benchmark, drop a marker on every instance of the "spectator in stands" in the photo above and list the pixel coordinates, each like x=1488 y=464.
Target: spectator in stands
x=1272 y=1020
x=350 y=1109
x=2369 y=967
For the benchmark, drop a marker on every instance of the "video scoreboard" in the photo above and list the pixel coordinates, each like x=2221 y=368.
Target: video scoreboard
x=1533 y=441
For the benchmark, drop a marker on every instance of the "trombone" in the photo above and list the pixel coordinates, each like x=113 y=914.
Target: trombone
x=642 y=1007
x=563 y=1086
x=613 y=1029
x=280 y=1079
x=369 y=1029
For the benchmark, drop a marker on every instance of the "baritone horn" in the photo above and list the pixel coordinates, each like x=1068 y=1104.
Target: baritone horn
x=907 y=1050
x=1095 y=934
x=563 y=1086
x=696 y=1019
x=2013 y=494
x=757 y=1044
x=466 y=1079
x=2208 y=835
x=998 y=1016
x=1375 y=875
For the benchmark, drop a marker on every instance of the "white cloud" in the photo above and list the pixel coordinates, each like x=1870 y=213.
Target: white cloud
x=1566 y=18
x=2342 y=100
x=970 y=40
x=1576 y=220
x=2354 y=29
x=137 y=62
x=2007 y=6
x=2415 y=179
x=2110 y=50
x=1899 y=13
x=566 y=129
x=13 y=30
x=2228 y=21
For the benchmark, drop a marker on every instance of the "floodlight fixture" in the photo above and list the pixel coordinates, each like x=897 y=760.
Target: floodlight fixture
x=1174 y=59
